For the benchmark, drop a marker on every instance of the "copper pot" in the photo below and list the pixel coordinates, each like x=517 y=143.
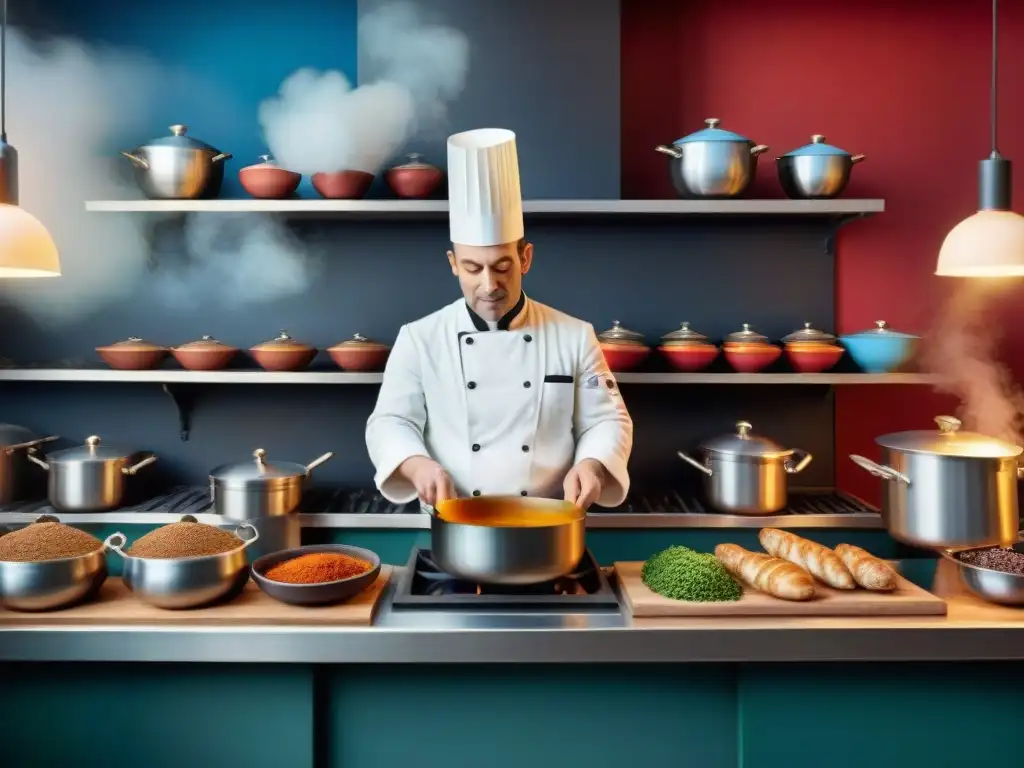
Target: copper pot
x=132 y=354
x=748 y=351
x=414 y=179
x=269 y=181
x=359 y=354
x=812 y=351
x=687 y=350
x=206 y=354
x=342 y=185
x=283 y=354
x=623 y=349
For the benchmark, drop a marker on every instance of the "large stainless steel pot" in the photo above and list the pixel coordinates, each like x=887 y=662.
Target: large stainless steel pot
x=476 y=539
x=178 y=167
x=747 y=474
x=712 y=162
x=15 y=445
x=257 y=489
x=816 y=171
x=90 y=477
x=947 y=488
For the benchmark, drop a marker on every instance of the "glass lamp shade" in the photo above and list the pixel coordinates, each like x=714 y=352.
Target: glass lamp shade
x=988 y=244
x=26 y=248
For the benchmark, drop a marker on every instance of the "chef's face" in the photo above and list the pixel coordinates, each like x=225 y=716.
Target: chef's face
x=491 y=276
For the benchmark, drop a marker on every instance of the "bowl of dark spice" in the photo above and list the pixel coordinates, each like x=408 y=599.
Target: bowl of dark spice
x=320 y=574
x=187 y=564
x=681 y=573
x=47 y=565
x=995 y=574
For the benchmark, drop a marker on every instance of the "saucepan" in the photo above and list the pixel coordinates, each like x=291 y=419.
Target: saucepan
x=507 y=539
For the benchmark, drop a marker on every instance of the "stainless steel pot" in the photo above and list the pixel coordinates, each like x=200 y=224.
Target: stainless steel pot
x=472 y=545
x=90 y=477
x=257 y=489
x=745 y=474
x=178 y=167
x=15 y=445
x=947 y=488
x=186 y=582
x=712 y=162
x=816 y=171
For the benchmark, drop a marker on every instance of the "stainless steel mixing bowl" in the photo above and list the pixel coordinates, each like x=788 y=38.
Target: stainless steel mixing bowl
x=988 y=584
x=48 y=585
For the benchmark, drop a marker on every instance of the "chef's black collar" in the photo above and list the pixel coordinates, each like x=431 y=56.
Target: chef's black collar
x=506 y=320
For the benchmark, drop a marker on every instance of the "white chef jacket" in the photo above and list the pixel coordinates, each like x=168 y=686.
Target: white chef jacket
x=506 y=411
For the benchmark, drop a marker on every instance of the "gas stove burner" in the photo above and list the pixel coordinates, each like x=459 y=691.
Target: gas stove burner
x=454 y=586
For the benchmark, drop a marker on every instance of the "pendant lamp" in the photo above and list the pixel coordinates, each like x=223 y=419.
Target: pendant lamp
x=991 y=242
x=26 y=248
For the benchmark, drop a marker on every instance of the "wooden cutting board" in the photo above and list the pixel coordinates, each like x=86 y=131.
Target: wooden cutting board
x=908 y=600
x=116 y=605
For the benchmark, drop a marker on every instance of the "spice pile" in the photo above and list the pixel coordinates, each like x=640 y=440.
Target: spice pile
x=184 y=539
x=996 y=558
x=681 y=573
x=318 y=568
x=46 y=541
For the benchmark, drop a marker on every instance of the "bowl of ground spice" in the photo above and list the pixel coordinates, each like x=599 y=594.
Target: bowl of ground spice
x=47 y=566
x=995 y=574
x=187 y=564
x=319 y=574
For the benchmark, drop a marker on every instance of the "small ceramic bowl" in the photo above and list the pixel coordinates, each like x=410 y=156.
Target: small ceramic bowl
x=268 y=181
x=880 y=349
x=205 y=354
x=315 y=594
x=283 y=353
x=623 y=349
x=748 y=351
x=686 y=350
x=359 y=354
x=132 y=354
x=812 y=351
x=342 y=185
x=415 y=179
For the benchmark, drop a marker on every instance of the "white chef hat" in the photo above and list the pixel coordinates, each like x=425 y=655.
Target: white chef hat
x=484 y=200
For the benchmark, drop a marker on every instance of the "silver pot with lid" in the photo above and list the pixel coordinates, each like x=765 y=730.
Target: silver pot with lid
x=90 y=477
x=745 y=473
x=16 y=443
x=178 y=167
x=712 y=163
x=948 y=488
x=815 y=171
x=260 y=488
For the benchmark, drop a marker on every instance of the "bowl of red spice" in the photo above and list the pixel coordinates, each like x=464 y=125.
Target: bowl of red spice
x=319 y=574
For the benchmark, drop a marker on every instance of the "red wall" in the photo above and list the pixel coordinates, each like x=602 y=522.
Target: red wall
x=904 y=82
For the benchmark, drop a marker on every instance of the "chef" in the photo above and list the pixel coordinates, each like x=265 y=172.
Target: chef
x=496 y=393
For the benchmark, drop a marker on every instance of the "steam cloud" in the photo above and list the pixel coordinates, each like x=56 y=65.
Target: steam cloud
x=962 y=353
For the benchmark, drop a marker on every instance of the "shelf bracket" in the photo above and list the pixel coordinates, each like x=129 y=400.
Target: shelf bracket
x=184 y=399
x=835 y=224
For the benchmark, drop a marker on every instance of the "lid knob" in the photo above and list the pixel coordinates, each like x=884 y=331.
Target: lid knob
x=207 y=338
x=179 y=130
x=92 y=441
x=265 y=158
x=712 y=122
x=684 y=326
x=283 y=336
x=817 y=139
x=359 y=337
x=260 y=455
x=134 y=338
x=881 y=324
x=743 y=428
x=415 y=156
x=948 y=425
x=807 y=326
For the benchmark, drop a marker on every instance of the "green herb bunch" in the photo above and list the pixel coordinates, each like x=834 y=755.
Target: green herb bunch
x=681 y=573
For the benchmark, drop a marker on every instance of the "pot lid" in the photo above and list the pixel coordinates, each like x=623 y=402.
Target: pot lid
x=747 y=336
x=358 y=340
x=817 y=147
x=205 y=343
x=880 y=330
x=712 y=133
x=948 y=440
x=414 y=160
x=259 y=469
x=619 y=335
x=282 y=342
x=807 y=333
x=743 y=443
x=684 y=335
x=179 y=140
x=12 y=434
x=91 y=451
x=133 y=344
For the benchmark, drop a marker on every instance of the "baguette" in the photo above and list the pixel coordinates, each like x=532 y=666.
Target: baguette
x=822 y=563
x=870 y=572
x=767 y=574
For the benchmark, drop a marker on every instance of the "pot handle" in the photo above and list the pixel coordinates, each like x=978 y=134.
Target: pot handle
x=30 y=444
x=878 y=470
x=760 y=149
x=805 y=459
x=36 y=460
x=136 y=467
x=114 y=542
x=694 y=463
x=665 y=149
x=221 y=157
x=136 y=160
x=857 y=159
x=318 y=461
x=251 y=539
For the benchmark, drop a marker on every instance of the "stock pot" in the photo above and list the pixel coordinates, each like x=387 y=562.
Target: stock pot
x=256 y=489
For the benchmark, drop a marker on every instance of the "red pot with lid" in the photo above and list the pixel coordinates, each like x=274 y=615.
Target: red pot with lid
x=268 y=181
x=283 y=353
x=342 y=185
x=748 y=351
x=687 y=350
x=359 y=354
x=812 y=351
x=205 y=354
x=623 y=349
x=415 y=178
x=132 y=354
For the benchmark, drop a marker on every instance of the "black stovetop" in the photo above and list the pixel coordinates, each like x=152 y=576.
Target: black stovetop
x=425 y=586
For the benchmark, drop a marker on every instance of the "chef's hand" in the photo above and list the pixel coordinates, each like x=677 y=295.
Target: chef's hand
x=432 y=483
x=583 y=484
